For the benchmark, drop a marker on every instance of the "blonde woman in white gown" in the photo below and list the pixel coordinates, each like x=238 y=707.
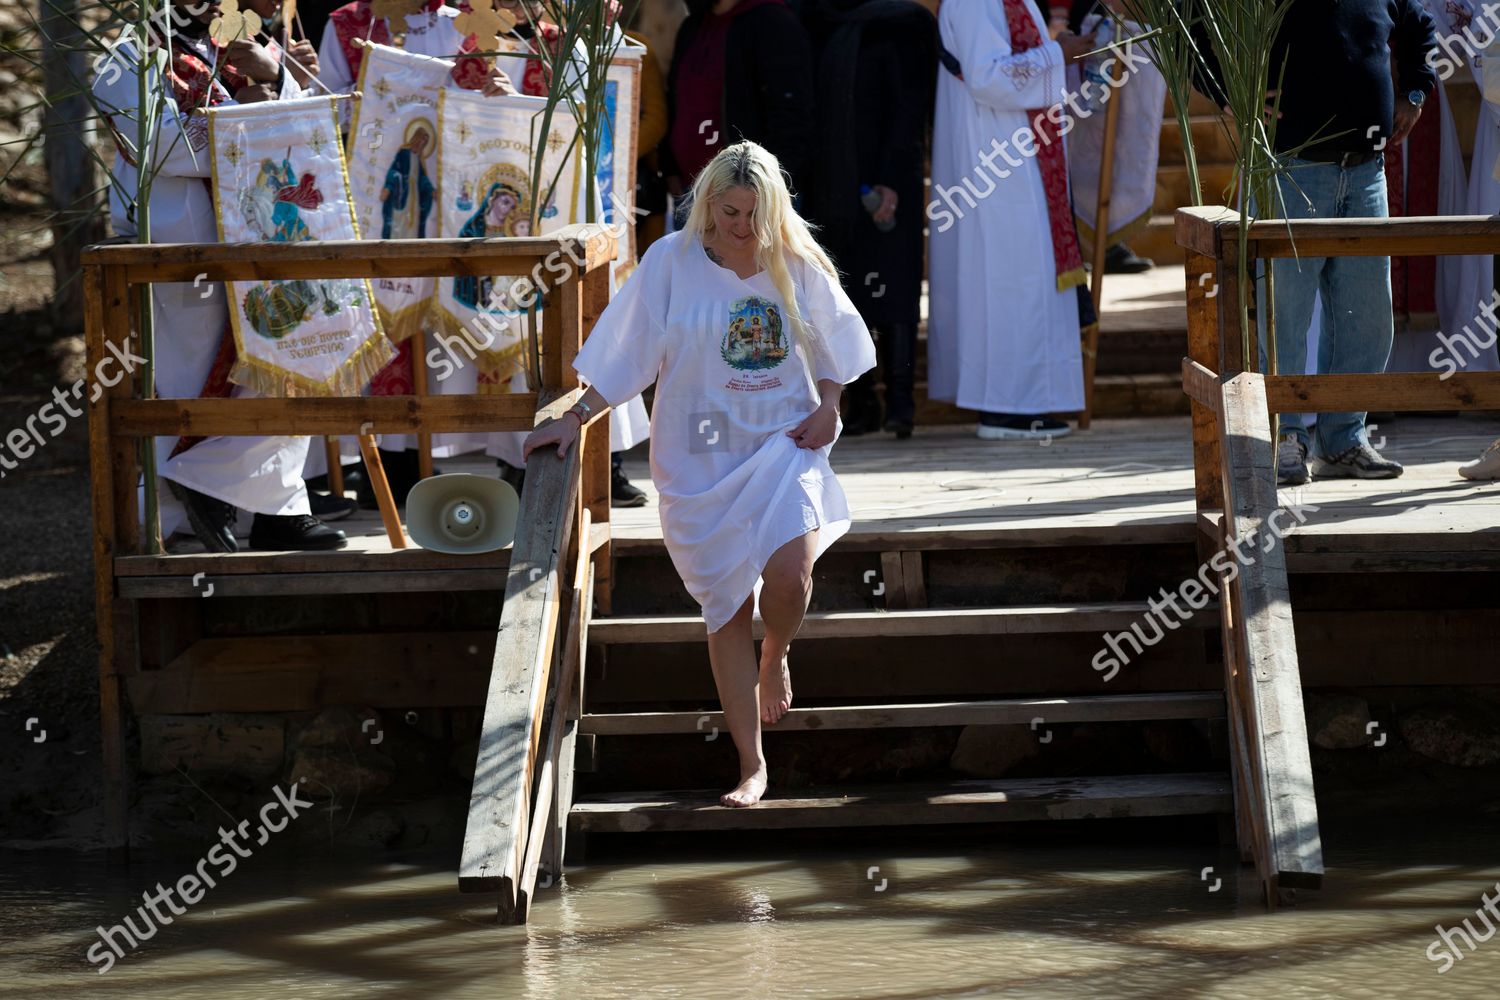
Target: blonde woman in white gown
x=741 y=323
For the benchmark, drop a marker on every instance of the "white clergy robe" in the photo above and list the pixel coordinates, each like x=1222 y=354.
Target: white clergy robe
x=1001 y=336
x=1476 y=280
x=260 y=475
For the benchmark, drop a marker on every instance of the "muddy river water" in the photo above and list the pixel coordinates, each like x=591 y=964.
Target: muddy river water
x=959 y=914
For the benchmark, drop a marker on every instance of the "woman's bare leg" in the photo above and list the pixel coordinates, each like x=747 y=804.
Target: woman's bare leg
x=731 y=652
x=784 y=595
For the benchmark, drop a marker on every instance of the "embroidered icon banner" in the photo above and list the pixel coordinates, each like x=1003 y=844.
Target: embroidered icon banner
x=392 y=145
x=278 y=176
x=485 y=190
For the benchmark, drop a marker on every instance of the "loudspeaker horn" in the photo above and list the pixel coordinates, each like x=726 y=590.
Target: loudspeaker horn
x=460 y=514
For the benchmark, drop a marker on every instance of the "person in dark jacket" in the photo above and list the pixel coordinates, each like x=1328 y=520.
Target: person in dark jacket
x=741 y=70
x=877 y=62
x=1339 y=107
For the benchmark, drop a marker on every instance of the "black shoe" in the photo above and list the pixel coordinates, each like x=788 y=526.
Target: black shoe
x=621 y=493
x=1120 y=259
x=510 y=474
x=293 y=532
x=212 y=520
x=1008 y=426
x=327 y=507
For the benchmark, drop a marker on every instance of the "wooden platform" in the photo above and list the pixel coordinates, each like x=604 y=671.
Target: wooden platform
x=1124 y=482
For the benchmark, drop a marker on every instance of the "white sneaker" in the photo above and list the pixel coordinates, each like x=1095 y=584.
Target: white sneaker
x=1486 y=466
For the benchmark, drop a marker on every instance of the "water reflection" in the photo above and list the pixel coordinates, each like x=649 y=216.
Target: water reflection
x=971 y=914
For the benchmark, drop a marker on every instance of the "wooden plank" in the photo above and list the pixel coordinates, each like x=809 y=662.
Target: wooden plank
x=1016 y=620
x=1232 y=358
x=590 y=243
x=367 y=553
x=892 y=582
x=913 y=579
x=1267 y=647
x=1197 y=229
x=1201 y=384
x=327 y=416
x=564 y=322
x=543 y=837
x=302 y=673
x=906 y=804
x=355 y=581
x=106 y=305
x=597 y=471
x=1398 y=391
x=375 y=470
x=1412 y=236
x=1012 y=711
x=499 y=804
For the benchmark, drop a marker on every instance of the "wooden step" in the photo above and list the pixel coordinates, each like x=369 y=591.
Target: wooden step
x=1013 y=711
x=1033 y=620
x=1149 y=394
x=1003 y=800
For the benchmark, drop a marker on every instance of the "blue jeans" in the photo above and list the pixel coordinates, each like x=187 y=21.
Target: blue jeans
x=1357 y=327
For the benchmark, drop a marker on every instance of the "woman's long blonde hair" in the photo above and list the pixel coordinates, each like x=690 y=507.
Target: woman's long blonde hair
x=779 y=230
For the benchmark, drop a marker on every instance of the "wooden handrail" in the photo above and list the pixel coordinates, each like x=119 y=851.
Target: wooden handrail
x=586 y=247
x=1204 y=229
x=322 y=415
x=500 y=801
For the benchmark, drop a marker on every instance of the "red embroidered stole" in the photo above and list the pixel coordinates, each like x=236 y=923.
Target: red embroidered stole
x=1050 y=157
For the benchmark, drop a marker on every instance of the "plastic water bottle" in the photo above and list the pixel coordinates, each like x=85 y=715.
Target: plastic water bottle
x=870 y=198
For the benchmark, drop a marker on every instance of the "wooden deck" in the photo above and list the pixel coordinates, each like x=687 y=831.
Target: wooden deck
x=1122 y=482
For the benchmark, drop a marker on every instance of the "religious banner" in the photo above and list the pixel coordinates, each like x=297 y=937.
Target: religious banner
x=619 y=150
x=278 y=176
x=1141 y=94
x=393 y=169
x=485 y=189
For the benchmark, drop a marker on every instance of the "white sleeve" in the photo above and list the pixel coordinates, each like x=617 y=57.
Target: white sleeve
x=993 y=74
x=624 y=352
x=841 y=345
x=333 y=68
x=180 y=148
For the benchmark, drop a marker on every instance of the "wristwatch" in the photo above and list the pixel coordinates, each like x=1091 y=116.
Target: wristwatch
x=1416 y=97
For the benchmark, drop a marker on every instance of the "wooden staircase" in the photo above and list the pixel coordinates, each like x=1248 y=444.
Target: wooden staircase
x=940 y=669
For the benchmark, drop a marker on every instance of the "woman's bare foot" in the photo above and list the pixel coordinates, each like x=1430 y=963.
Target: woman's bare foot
x=775 y=691
x=747 y=792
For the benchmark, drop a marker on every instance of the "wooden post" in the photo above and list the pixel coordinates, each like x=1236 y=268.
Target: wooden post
x=596 y=455
x=1101 y=231
x=1203 y=347
x=106 y=306
x=376 y=471
x=419 y=389
x=335 y=466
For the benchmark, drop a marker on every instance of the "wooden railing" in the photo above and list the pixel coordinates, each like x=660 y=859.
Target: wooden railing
x=1234 y=462
x=564 y=502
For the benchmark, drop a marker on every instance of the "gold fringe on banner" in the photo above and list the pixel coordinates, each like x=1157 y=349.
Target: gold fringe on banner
x=350 y=379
